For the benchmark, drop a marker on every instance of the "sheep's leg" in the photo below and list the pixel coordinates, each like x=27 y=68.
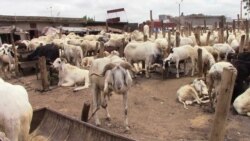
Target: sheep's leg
x=106 y=109
x=125 y=104
x=68 y=84
x=177 y=69
x=184 y=104
x=96 y=103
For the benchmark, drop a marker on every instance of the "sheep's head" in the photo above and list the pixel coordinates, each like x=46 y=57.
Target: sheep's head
x=200 y=86
x=58 y=63
x=118 y=76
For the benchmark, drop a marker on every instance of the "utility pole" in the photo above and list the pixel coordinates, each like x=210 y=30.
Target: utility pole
x=180 y=14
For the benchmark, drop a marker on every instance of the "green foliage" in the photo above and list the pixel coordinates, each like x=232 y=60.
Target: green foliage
x=88 y=19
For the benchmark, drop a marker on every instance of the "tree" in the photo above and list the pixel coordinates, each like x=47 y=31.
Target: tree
x=88 y=19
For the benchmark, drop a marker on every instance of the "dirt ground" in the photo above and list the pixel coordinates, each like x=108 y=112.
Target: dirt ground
x=154 y=113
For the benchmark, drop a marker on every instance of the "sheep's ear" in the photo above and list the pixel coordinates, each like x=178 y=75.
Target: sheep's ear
x=108 y=67
x=63 y=60
x=127 y=66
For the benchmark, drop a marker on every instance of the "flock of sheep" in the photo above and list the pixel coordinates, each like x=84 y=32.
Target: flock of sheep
x=81 y=60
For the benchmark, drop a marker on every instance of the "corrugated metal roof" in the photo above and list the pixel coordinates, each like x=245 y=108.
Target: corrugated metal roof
x=8 y=18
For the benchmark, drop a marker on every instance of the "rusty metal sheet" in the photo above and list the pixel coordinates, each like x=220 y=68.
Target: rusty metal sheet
x=49 y=125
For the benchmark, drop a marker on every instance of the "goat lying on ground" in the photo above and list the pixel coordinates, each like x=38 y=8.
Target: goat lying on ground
x=70 y=75
x=242 y=103
x=194 y=92
x=110 y=74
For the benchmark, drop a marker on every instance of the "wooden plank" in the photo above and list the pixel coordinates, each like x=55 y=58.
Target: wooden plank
x=85 y=111
x=152 y=23
x=44 y=73
x=200 y=66
x=101 y=51
x=247 y=34
x=121 y=49
x=208 y=37
x=177 y=39
x=234 y=27
x=197 y=37
x=238 y=22
x=242 y=41
x=145 y=38
x=223 y=105
x=14 y=49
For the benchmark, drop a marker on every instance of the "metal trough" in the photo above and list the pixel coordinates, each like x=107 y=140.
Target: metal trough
x=49 y=125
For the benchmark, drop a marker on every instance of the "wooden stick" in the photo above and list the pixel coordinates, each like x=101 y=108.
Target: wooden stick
x=197 y=37
x=101 y=51
x=242 y=41
x=247 y=34
x=234 y=27
x=145 y=38
x=238 y=22
x=208 y=37
x=200 y=62
x=169 y=41
x=223 y=105
x=177 y=39
x=44 y=73
x=85 y=111
x=14 y=49
x=121 y=49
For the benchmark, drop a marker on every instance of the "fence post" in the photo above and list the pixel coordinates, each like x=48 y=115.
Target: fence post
x=85 y=111
x=44 y=73
x=242 y=41
x=177 y=39
x=14 y=49
x=200 y=65
x=223 y=105
x=208 y=37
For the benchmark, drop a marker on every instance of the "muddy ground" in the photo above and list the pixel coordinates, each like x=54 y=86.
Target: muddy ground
x=154 y=113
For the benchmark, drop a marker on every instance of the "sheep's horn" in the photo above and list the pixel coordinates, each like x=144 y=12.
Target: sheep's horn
x=108 y=67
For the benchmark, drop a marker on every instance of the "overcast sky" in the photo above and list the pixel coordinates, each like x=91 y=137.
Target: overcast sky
x=136 y=10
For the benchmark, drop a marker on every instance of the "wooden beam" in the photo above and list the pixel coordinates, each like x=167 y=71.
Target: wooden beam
x=121 y=49
x=242 y=41
x=234 y=27
x=85 y=111
x=247 y=34
x=197 y=37
x=145 y=38
x=177 y=39
x=200 y=65
x=44 y=73
x=101 y=51
x=14 y=49
x=223 y=105
x=208 y=37
x=238 y=22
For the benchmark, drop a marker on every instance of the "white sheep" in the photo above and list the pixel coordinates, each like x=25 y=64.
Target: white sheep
x=73 y=53
x=87 y=61
x=194 y=92
x=215 y=74
x=16 y=111
x=143 y=51
x=242 y=103
x=181 y=53
x=224 y=49
x=110 y=74
x=71 y=75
